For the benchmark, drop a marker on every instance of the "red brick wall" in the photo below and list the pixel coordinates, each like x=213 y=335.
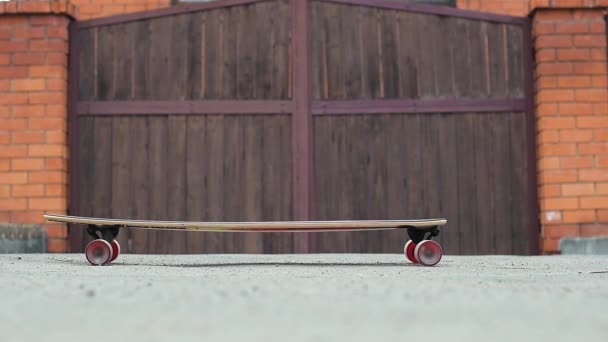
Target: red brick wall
x=87 y=9
x=572 y=110
x=33 y=93
x=510 y=7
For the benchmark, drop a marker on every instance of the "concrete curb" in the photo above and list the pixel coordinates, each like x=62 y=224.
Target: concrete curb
x=587 y=246
x=22 y=238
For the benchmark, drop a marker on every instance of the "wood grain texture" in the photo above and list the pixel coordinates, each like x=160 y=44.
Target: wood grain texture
x=364 y=52
x=424 y=165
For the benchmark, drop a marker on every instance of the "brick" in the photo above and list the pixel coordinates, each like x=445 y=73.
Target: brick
x=5 y=58
x=557 y=150
x=591 y=95
x=27 y=190
x=602 y=215
x=5 y=32
x=51 y=97
x=5 y=138
x=56 y=137
x=599 y=82
x=600 y=135
x=13 y=124
x=548 y=137
x=48 y=71
x=589 y=230
x=47 y=177
x=26 y=164
x=554 y=41
x=602 y=162
x=57 y=58
x=27 y=137
x=575 y=108
x=5 y=191
x=14 y=46
x=559 y=176
x=548 y=82
x=46 y=150
x=544 y=28
x=28 y=32
x=14 y=99
x=56 y=190
x=546 y=55
x=56 y=164
x=5 y=164
x=47 y=123
x=558 y=123
x=56 y=110
x=559 y=231
x=13 y=151
x=13 y=203
x=28 y=216
x=556 y=95
x=594 y=202
x=592 y=148
x=555 y=68
x=62 y=85
x=589 y=40
x=574 y=81
x=48 y=20
x=13 y=177
x=48 y=45
x=550 y=190
x=597 y=54
x=597 y=26
x=579 y=216
x=579 y=189
x=550 y=245
x=13 y=71
x=549 y=163
x=576 y=162
x=573 y=54
x=57 y=246
x=575 y=135
x=593 y=175
x=572 y=27
x=588 y=68
x=57 y=32
x=545 y=109
x=591 y=122
x=32 y=84
x=28 y=58
x=559 y=203
x=56 y=231
x=53 y=203
x=29 y=110
x=600 y=108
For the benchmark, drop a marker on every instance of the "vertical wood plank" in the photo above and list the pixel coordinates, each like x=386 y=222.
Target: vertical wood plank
x=196 y=179
x=159 y=169
x=121 y=186
x=301 y=121
x=176 y=180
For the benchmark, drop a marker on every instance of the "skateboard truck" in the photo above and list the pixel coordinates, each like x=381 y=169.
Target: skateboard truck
x=417 y=235
x=108 y=233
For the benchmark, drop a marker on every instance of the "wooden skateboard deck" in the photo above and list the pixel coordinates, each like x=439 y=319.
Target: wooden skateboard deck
x=270 y=226
x=104 y=249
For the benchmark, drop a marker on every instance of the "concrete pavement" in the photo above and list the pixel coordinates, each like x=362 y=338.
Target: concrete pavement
x=57 y=297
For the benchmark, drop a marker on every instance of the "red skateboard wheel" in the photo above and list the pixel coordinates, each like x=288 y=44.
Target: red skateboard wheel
x=98 y=252
x=408 y=250
x=428 y=252
x=115 y=250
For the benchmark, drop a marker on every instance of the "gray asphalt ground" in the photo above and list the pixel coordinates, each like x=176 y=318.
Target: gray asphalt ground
x=58 y=297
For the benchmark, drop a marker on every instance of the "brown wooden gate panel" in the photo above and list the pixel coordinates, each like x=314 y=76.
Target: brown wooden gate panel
x=301 y=109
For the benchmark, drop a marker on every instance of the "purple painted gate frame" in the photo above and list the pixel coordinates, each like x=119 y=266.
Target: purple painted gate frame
x=301 y=106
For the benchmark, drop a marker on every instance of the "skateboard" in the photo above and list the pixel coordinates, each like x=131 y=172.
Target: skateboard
x=104 y=249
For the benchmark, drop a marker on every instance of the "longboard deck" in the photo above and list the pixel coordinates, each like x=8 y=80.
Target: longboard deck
x=269 y=226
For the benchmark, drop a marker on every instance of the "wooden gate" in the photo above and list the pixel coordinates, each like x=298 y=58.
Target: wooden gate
x=286 y=109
